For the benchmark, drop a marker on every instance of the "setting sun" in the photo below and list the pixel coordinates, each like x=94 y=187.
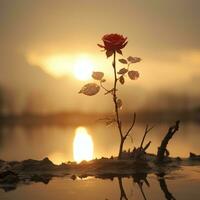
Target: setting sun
x=83 y=68
x=79 y=66
x=83 y=145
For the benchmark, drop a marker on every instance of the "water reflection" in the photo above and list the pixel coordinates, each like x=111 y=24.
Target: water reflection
x=140 y=179
x=122 y=191
x=110 y=187
x=20 y=143
x=164 y=188
x=82 y=145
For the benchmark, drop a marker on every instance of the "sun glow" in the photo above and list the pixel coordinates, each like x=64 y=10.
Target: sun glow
x=80 y=66
x=58 y=158
x=57 y=65
x=82 y=145
x=83 y=68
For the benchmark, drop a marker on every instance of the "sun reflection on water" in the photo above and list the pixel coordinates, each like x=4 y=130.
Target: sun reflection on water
x=83 y=147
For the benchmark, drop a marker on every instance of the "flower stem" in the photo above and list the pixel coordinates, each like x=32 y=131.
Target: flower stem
x=116 y=106
x=103 y=87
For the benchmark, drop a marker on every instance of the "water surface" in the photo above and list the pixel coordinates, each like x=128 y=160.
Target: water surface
x=182 y=184
x=56 y=142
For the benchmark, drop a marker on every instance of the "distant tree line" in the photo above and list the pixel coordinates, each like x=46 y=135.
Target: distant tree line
x=13 y=102
x=165 y=101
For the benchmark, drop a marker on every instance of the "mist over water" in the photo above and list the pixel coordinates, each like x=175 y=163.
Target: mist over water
x=56 y=142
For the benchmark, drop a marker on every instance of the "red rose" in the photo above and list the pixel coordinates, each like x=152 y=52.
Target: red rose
x=112 y=43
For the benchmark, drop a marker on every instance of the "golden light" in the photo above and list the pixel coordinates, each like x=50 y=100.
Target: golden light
x=58 y=158
x=57 y=65
x=80 y=66
x=82 y=145
x=83 y=68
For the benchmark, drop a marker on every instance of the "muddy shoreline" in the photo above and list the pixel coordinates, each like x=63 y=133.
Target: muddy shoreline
x=13 y=173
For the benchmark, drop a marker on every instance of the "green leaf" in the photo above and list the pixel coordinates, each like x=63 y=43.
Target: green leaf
x=133 y=75
x=121 y=80
x=122 y=71
x=133 y=59
x=97 y=75
x=90 y=89
x=124 y=61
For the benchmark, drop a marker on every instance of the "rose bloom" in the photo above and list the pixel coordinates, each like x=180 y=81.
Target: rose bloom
x=112 y=43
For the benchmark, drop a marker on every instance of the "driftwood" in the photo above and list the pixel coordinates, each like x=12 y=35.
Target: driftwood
x=162 y=150
x=194 y=156
x=140 y=152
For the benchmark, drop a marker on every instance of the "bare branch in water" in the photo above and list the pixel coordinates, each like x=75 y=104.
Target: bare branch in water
x=147 y=146
x=163 y=146
x=147 y=129
x=132 y=125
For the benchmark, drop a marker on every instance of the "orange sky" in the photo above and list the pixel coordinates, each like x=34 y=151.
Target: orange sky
x=165 y=34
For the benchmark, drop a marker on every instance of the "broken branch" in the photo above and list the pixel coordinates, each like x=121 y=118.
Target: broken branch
x=131 y=127
x=147 y=129
x=163 y=147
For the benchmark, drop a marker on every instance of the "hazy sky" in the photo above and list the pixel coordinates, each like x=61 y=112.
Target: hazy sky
x=165 y=34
